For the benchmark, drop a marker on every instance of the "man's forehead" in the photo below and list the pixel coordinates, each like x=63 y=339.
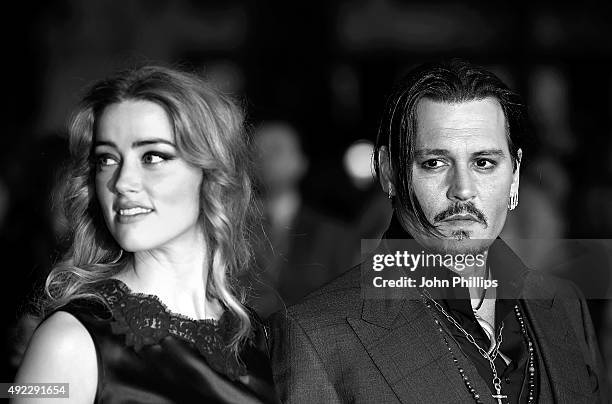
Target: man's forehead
x=475 y=123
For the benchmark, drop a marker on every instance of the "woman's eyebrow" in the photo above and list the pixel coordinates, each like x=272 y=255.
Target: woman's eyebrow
x=145 y=142
x=137 y=143
x=104 y=143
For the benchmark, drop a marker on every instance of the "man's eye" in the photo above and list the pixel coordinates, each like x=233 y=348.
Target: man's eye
x=433 y=163
x=485 y=164
x=154 y=158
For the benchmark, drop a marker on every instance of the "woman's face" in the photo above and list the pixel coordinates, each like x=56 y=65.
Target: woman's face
x=149 y=195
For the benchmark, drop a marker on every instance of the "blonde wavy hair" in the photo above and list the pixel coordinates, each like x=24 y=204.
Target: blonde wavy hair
x=209 y=133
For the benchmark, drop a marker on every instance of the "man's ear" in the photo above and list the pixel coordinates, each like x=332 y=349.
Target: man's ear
x=514 y=188
x=386 y=173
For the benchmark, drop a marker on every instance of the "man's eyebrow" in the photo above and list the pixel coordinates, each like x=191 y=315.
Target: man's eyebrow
x=431 y=152
x=490 y=153
x=138 y=143
x=444 y=153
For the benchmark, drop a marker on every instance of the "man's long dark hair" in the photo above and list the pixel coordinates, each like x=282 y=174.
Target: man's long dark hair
x=453 y=81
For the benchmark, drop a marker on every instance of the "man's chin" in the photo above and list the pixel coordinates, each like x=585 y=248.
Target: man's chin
x=459 y=242
x=465 y=245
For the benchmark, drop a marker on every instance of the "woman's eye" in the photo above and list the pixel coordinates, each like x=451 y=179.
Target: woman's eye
x=106 y=160
x=485 y=164
x=153 y=158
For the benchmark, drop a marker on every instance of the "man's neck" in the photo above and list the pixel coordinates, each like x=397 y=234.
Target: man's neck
x=482 y=299
x=479 y=295
x=472 y=271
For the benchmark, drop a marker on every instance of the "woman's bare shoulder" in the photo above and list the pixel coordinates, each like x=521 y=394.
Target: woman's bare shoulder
x=62 y=351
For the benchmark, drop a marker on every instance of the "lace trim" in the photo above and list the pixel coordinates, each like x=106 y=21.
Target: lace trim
x=145 y=320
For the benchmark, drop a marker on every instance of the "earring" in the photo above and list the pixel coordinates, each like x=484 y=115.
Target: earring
x=513 y=202
x=390 y=190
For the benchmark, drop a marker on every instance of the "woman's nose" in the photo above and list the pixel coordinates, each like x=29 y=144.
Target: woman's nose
x=128 y=178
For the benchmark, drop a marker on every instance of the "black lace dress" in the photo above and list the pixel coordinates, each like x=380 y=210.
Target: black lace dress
x=147 y=354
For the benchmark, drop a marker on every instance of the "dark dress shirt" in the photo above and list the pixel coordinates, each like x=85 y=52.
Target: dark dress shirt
x=510 y=272
x=514 y=375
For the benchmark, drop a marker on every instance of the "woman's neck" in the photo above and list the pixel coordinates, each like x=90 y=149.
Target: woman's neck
x=177 y=274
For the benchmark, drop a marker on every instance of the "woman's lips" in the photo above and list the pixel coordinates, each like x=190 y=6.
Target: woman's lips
x=132 y=215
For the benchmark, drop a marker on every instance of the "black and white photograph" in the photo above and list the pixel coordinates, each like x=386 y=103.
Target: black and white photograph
x=369 y=201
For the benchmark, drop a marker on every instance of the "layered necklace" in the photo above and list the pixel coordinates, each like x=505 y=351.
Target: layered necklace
x=489 y=355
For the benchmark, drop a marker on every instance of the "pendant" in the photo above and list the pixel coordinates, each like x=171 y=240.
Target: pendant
x=499 y=395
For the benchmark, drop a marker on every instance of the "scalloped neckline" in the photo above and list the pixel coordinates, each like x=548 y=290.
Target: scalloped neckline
x=145 y=320
x=126 y=289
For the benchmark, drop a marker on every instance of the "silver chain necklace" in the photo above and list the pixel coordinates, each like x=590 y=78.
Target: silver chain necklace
x=490 y=357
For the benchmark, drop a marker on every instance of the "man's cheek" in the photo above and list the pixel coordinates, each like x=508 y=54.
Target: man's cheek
x=429 y=199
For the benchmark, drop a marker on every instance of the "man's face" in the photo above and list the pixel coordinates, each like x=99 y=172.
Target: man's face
x=462 y=172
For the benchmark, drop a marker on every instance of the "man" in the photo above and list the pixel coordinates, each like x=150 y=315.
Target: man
x=448 y=154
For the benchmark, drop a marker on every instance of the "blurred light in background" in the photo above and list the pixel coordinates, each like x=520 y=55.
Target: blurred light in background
x=358 y=163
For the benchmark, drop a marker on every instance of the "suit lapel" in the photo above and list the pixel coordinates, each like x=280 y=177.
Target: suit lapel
x=405 y=345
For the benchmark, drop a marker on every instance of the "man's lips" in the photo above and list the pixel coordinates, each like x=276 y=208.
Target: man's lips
x=461 y=218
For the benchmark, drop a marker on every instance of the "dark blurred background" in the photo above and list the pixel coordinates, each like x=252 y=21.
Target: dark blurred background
x=322 y=72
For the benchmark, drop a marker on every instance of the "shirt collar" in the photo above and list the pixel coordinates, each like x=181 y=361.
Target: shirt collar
x=506 y=267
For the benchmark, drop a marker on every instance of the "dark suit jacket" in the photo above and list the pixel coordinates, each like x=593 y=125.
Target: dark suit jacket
x=337 y=347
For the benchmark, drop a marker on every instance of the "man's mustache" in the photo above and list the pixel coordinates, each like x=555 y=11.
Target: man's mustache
x=461 y=209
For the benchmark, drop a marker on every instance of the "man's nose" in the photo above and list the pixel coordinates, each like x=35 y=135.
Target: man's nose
x=128 y=178
x=462 y=186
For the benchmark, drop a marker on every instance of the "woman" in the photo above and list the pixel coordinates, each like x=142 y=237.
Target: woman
x=142 y=307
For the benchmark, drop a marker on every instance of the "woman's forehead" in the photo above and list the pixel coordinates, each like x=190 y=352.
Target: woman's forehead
x=133 y=121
